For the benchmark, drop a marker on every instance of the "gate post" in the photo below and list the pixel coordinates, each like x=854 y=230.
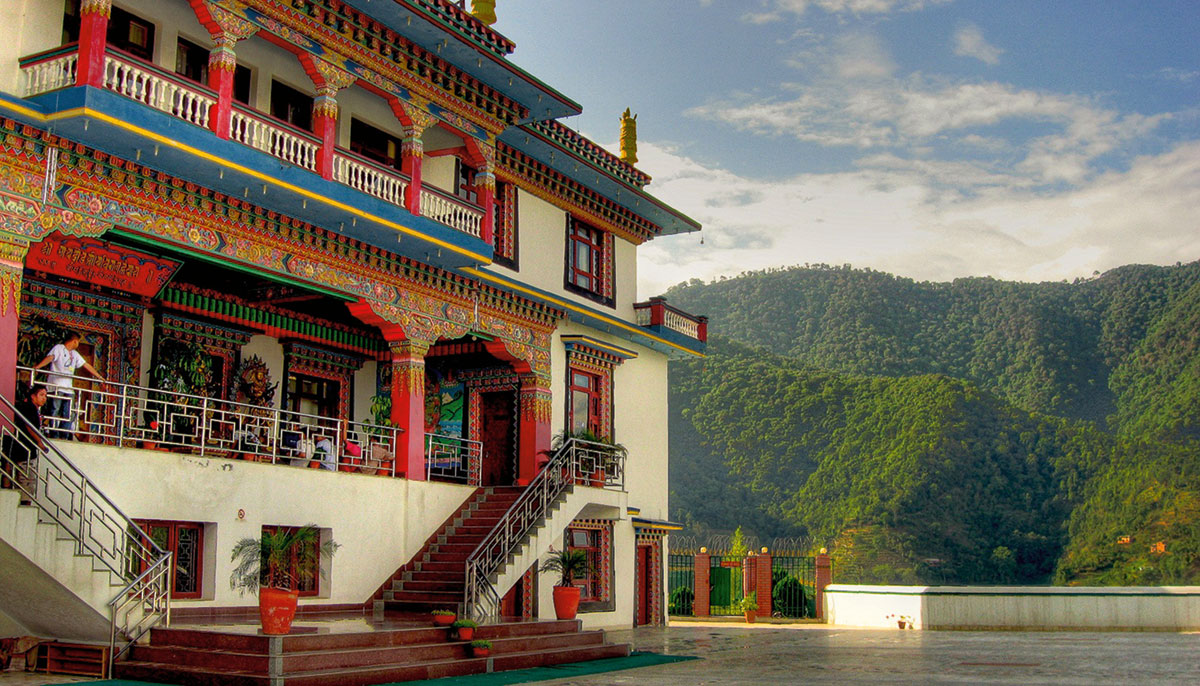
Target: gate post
x=824 y=578
x=763 y=587
x=700 y=604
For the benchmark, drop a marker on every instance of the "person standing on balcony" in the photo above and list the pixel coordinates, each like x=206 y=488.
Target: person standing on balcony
x=63 y=359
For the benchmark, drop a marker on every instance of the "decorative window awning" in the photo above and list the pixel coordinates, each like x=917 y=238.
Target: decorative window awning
x=658 y=525
x=597 y=350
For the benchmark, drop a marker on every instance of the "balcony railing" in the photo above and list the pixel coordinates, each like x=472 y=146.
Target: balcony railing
x=150 y=85
x=448 y=458
x=451 y=211
x=50 y=70
x=136 y=416
x=274 y=138
x=370 y=178
x=657 y=313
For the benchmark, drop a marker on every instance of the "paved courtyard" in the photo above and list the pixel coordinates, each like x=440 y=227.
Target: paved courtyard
x=817 y=654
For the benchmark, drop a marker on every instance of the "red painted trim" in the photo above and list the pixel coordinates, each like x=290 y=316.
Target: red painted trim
x=93 y=33
x=410 y=166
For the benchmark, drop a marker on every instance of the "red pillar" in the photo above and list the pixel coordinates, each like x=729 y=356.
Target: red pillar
x=408 y=407
x=325 y=116
x=700 y=605
x=824 y=578
x=534 y=430
x=222 y=62
x=412 y=154
x=12 y=265
x=93 y=34
x=762 y=585
x=486 y=185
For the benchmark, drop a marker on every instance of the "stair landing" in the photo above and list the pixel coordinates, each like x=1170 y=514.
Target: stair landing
x=352 y=650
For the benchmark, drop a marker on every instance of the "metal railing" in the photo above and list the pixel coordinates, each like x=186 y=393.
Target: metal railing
x=368 y=177
x=451 y=211
x=34 y=465
x=577 y=462
x=449 y=458
x=148 y=84
x=273 y=138
x=136 y=416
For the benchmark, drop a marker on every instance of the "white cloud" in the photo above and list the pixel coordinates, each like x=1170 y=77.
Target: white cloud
x=780 y=9
x=908 y=218
x=969 y=42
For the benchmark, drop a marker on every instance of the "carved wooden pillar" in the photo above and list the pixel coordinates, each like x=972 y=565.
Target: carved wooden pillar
x=534 y=430
x=12 y=265
x=408 y=406
x=485 y=185
x=93 y=35
x=412 y=151
x=328 y=79
x=226 y=30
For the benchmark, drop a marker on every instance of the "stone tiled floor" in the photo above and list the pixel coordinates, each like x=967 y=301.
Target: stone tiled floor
x=736 y=654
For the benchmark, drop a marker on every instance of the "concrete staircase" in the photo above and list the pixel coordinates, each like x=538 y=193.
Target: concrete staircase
x=49 y=589
x=207 y=658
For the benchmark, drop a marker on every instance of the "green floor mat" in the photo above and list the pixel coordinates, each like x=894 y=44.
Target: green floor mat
x=517 y=676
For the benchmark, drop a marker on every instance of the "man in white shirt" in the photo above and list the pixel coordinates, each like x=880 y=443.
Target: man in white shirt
x=63 y=359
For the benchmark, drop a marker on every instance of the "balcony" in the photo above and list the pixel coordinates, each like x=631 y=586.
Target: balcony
x=671 y=322
x=444 y=220
x=130 y=416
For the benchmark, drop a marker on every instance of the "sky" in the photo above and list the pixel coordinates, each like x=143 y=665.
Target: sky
x=1033 y=140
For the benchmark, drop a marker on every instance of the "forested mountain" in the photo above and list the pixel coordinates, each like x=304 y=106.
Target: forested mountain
x=976 y=431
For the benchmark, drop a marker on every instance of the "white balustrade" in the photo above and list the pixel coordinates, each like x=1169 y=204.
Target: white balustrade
x=368 y=179
x=273 y=140
x=51 y=75
x=677 y=322
x=451 y=213
x=157 y=91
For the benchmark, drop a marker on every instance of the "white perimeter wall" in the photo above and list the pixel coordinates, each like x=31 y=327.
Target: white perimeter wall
x=379 y=521
x=1165 y=608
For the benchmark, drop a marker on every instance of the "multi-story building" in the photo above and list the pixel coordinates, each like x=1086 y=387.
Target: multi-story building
x=338 y=234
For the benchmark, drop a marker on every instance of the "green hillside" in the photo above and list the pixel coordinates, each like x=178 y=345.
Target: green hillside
x=979 y=431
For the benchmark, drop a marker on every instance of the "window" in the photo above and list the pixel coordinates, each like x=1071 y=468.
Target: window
x=131 y=34
x=291 y=106
x=70 y=31
x=191 y=62
x=586 y=261
x=185 y=540
x=313 y=396
x=585 y=408
x=588 y=540
x=308 y=581
x=375 y=144
x=464 y=182
x=504 y=220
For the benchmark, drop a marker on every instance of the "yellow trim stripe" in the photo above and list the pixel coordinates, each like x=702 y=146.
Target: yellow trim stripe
x=565 y=304
x=84 y=111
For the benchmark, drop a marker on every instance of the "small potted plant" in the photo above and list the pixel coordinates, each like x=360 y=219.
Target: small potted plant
x=443 y=617
x=569 y=564
x=749 y=606
x=273 y=565
x=465 y=629
x=481 y=648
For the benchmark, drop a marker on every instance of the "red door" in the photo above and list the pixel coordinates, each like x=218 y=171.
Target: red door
x=497 y=410
x=645 y=585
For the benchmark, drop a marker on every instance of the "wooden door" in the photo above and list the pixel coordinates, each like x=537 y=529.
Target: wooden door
x=645 y=585
x=497 y=411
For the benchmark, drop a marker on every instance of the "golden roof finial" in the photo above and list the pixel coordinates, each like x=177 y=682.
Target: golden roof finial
x=628 y=138
x=484 y=11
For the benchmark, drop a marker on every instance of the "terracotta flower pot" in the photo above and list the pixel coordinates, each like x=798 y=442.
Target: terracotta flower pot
x=466 y=633
x=443 y=620
x=566 y=601
x=481 y=652
x=750 y=614
x=276 y=609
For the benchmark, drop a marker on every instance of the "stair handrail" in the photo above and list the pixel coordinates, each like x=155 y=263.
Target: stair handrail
x=577 y=461
x=93 y=521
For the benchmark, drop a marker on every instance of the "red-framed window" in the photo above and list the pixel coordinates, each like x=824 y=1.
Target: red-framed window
x=586 y=409
x=464 y=182
x=375 y=144
x=185 y=541
x=585 y=258
x=312 y=396
x=308 y=585
x=505 y=220
x=591 y=587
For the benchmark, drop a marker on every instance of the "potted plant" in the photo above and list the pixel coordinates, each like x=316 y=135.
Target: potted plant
x=465 y=629
x=273 y=565
x=749 y=606
x=481 y=648
x=569 y=564
x=443 y=617
x=607 y=455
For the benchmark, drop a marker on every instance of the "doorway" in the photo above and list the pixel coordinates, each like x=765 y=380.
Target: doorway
x=497 y=417
x=645 y=585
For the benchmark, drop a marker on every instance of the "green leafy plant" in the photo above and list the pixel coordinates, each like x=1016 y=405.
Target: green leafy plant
x=569 y=564
x=267 y=560
x=482 y=644
x=681 y=601
x=181 y=367
x=464 y=624
x=443 y=613
x=749 y=603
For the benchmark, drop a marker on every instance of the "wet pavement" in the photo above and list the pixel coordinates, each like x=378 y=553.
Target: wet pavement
x=807 y=654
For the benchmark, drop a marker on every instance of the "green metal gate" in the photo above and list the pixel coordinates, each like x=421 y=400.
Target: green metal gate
x=793 y=584
x=725 y=581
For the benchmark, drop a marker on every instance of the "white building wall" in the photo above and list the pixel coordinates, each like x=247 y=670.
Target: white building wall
x=364 y=391
x=41 y=29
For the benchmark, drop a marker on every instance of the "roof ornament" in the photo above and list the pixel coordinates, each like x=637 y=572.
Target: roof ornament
x=628 y=138
x=484 y=11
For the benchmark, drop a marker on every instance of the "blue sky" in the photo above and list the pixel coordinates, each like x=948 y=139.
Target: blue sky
x=1021 y=139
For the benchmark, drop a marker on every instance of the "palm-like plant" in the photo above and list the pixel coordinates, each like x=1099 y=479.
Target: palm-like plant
x=568 y=563
x=267 y=560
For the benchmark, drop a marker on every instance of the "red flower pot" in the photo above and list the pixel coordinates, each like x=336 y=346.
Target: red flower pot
x=481 y=652
x=443 y=620
x=466 y=633
x=566 y=601
x=276 y=609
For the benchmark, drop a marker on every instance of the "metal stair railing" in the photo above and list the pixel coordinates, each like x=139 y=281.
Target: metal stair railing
x=577 y=462
x=34 y=465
